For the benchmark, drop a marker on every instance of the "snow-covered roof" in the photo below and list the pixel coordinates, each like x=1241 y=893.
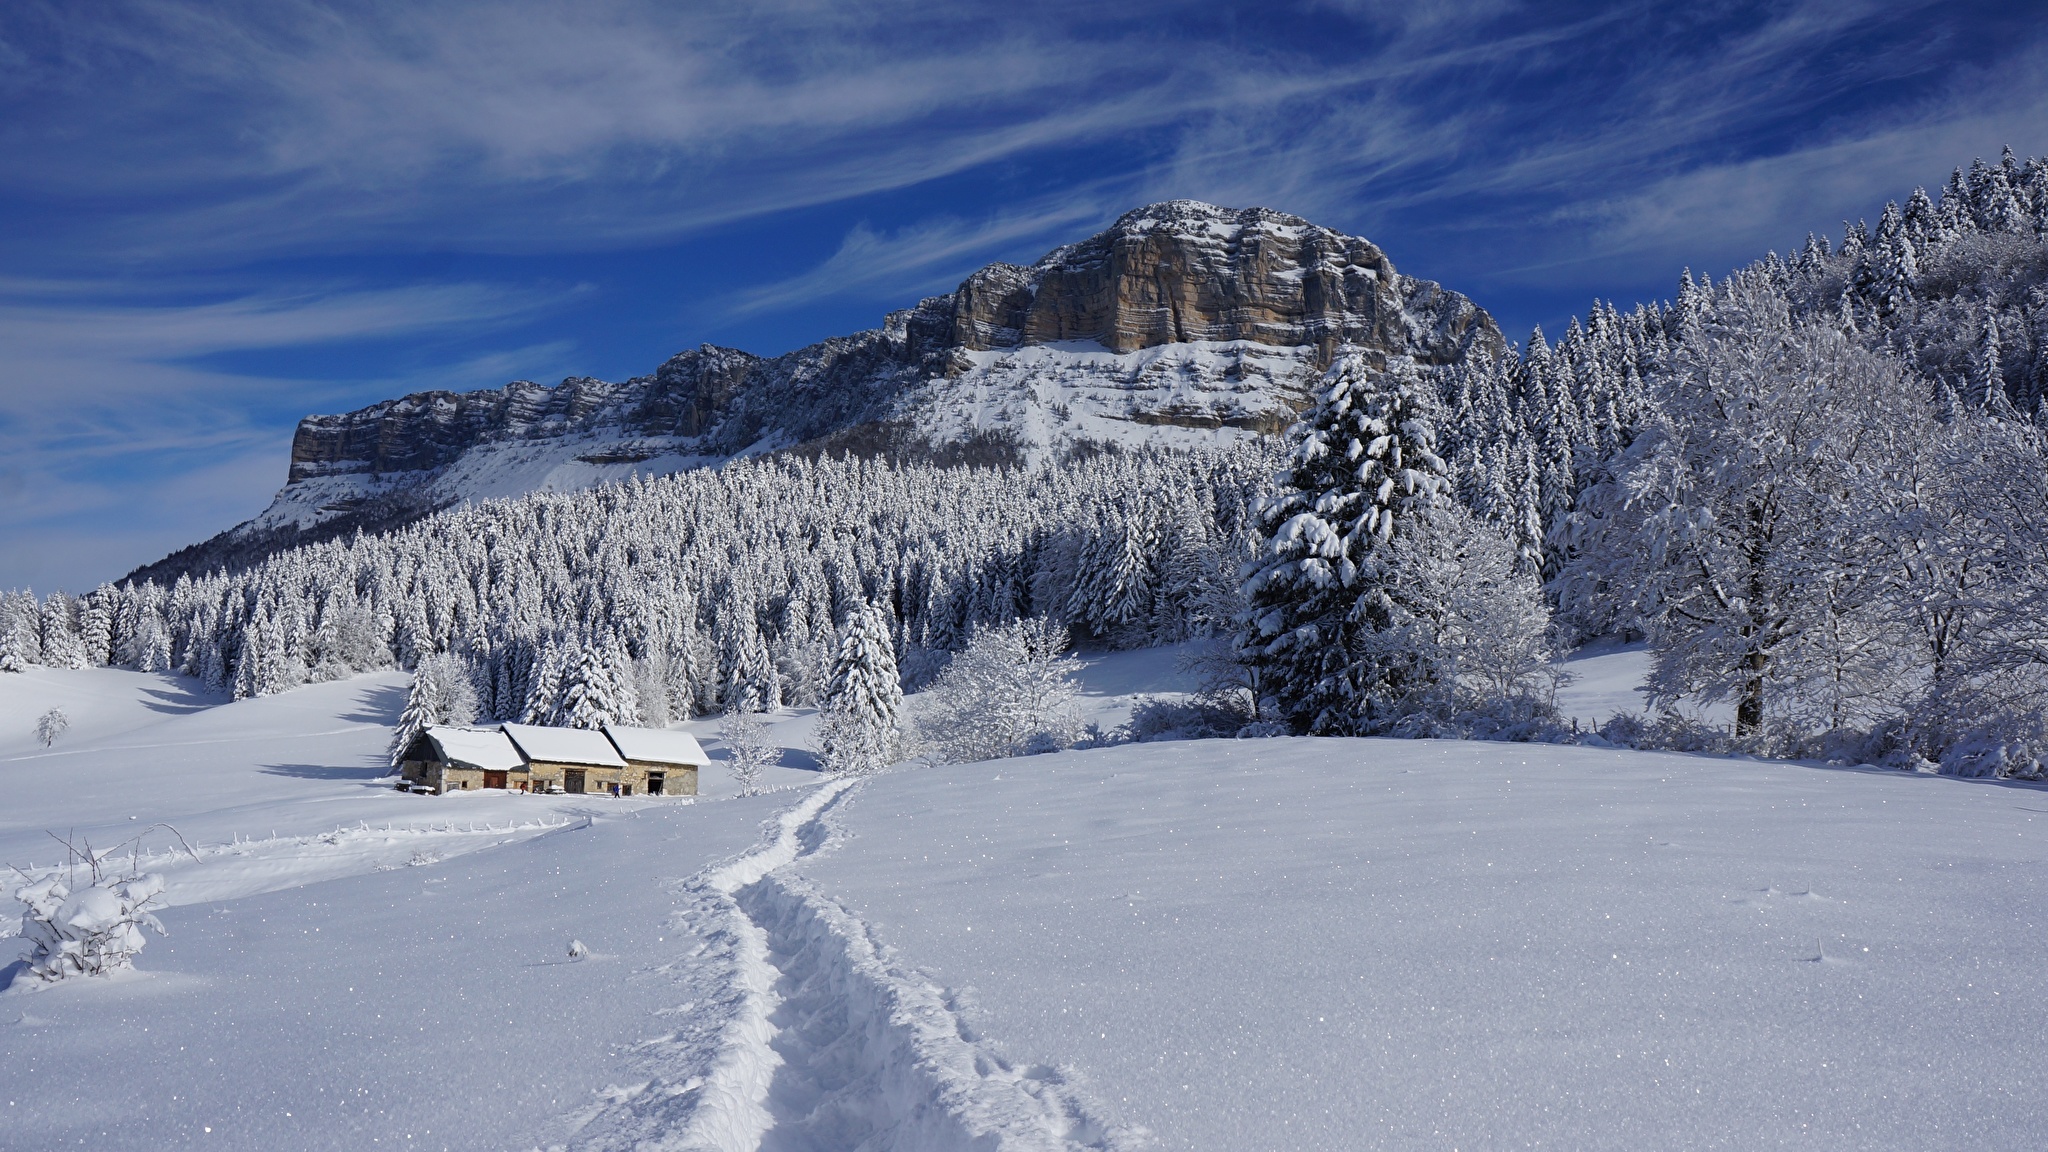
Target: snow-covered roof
x=564 y=745
x=476 y=748
x=657 y=745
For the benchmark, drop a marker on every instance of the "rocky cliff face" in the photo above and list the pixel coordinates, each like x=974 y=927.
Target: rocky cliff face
x=1183 y=323
x=1182 y=272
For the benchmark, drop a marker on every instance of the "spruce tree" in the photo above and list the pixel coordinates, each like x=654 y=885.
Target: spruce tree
x=863 y=699
x=420 y=709
x=1365 y=466
x=594 y=693
x=61 y=646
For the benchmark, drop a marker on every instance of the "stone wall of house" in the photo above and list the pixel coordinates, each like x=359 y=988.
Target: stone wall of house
x=548 y=776
x=677 y=780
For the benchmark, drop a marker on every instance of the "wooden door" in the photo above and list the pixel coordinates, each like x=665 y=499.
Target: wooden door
x=493 y=779
x=572 y=780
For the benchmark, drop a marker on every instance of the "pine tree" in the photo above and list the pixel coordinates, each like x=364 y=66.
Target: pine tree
x=1990 y=373
x=1366 y=466
x=152 y=646
x=13 y=653
x=442 y=693
x=96 y=630
x=544 y=687
x=593 y=692
x=418 y=716
x=61 y=646
x=863 y=699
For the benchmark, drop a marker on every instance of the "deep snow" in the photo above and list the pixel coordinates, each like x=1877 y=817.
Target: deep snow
x=1361 y=943
x=1221 y=944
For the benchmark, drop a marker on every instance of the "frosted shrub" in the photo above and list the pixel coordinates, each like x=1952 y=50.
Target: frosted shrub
x=51 y=725
x=747 y=748
x=1010 y=693
x=1154 y=718
x=1999 y=746
x=1668 y=731
x=90 y=931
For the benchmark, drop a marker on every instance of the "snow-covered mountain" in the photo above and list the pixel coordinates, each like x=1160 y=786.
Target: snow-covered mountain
x=1183 y=324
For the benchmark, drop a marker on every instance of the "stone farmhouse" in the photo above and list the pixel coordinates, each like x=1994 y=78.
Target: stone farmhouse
x=618 y=761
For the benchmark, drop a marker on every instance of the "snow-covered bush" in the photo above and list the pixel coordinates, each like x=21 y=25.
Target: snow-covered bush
x=1154 y=718
x=51 y=725
x=747 y=749
x=91 y=930
x=1225 y=679
x=1009 y=693
x=87 y=920
x=1998 y=751
x=1667 y=731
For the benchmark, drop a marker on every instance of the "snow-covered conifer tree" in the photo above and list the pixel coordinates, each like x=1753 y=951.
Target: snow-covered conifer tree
x=594 y=692
x=61 y=646
x=442 y=693
x=1365 y=470
x=544 y=686
x=96 y=629
x=864 y=698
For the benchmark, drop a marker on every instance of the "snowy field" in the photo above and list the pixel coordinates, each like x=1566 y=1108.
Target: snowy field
x=1204 y=945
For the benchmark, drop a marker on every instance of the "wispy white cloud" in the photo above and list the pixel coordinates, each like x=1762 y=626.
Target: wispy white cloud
x=1721 y=214
x=114 y=429
x=932 y=254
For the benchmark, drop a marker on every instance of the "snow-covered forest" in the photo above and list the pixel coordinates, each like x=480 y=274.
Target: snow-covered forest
x=1817 y=487
x=674 y=595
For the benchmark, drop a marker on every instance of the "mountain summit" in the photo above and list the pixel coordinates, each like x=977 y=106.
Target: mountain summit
x=1182 y=324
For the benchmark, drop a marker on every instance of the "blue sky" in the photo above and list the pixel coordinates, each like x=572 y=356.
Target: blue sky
x=217 y=216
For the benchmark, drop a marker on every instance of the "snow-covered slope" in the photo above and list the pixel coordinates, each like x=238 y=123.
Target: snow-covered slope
x=1345 y=944
x=1222 y=944
x=1183 y=324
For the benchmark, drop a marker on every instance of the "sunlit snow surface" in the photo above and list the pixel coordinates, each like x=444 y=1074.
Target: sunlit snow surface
x=1214 y=945
x=1359 y=943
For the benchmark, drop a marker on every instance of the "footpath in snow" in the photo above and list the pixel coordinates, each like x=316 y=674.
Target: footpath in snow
x=829 y=1042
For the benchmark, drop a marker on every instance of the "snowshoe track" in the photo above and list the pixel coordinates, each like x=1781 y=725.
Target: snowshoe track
x=827 y=1044
x=873 y=1057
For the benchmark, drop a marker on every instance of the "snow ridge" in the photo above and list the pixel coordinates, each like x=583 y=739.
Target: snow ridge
x=806 y=1036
